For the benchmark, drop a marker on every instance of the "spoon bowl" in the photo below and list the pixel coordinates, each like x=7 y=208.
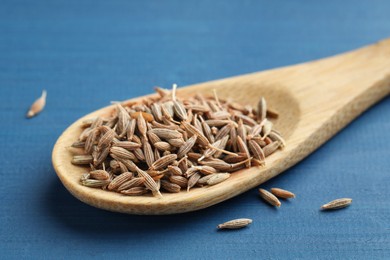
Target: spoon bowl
x=314 y=101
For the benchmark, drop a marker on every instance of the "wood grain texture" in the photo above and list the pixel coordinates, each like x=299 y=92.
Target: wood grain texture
x=315 y=100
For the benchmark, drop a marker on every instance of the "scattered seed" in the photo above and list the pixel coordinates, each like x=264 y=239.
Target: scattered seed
x=284 y=194
x=38 y=105
x=337 y=204
x=235 y=224
x=269 y=197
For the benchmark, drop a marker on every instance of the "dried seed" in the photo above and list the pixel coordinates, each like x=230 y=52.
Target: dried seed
x=84 y=176
x=156 y=111
x=148 y=152
x=134 y=182
x=149 y=183
x=123 y=120
x=141 y=124
x=262 y=109
x=284 y=194
x=78 y=144
x=218 y=178
x=153 y=138
x=175 y=170
x=176 y=142
x=119 y=180
x=204 y=179
x=136 y=191
x=201 y=139
x=126 y=145
x=164 y=161
x=272 y=113
x=166 y=133
x=179 y=110
x=271 y=148
x=187 y=146
x=146 y=116
x=337 y=204
x=179 y=180
x=163 y=146
x=131 y=129
x=170 y=187
x=269 y=197
x=257 y=151
x=82 y=159
x=94 y=183
x=192 y=181
x=38 y=105
x=99 y=175
x=277 y=137
x=224 y=131
x=267 y=128
x=217 y=122
x=242 y=147
x=235 y=224
x=139 y=154
x=122 y=153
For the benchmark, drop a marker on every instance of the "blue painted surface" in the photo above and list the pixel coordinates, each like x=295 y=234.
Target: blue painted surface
x=77 y=50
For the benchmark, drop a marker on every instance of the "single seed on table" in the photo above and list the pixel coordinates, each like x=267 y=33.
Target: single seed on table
x=337 y=204
x=235 y=223
x=269 y=197
x=38 y=105
x=284 y=194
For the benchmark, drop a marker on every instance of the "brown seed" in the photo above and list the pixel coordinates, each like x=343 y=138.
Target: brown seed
x=242 y=147
x=257 y=151
x=78 y=144
x=82 y=159
x=175 y=170
x=271 y=148
x=134 y=182
x=123 y=120
x=179 y=180
x=149 y=183
x=218 y=178
x=166 y=133
x=126 y=145
x=284 y=194
x=192 y=181
x=337 y=204
x=183 y=150
x=204 y=179
x=141 y=124
x=176 y=142
x=162 y=146
x=217 y=122
x=179 y=110
x=131 y=129
x=148 y=152
x=146 y=116
x=119 y=180
x=170 y=187
x=269 y=197
x=38 y=105
x=272 y=113
x=122 y=153
x=262 y=109
x=156 y=111
x=164 y=161
x=201 y=139
x=99 y=175
x=135 y=191
x=153 y=138
x=90 y=142
x=277 y=137
x=235 y=224
x=94 y=183
x=267 y=128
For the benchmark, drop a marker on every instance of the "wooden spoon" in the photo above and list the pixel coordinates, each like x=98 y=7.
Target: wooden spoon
x=315 y=100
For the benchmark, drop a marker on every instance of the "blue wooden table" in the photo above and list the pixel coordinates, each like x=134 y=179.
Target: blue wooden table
x=87 y=53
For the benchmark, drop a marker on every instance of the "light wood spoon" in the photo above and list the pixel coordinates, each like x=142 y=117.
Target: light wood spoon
x=315 y=100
